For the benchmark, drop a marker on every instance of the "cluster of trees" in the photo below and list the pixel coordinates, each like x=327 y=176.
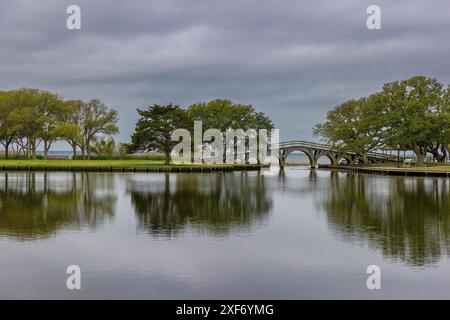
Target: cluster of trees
x=156 y=124
x=31 y=117
x=413 y=114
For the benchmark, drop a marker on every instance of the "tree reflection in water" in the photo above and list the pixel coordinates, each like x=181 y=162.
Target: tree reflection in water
x=214 y=203
x=408 y=218
x=37 y=205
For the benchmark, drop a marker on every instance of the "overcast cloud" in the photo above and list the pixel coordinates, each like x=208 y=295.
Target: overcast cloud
x=293 y=60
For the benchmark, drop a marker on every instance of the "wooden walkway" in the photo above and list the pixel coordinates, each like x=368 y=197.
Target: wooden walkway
x=393 y=171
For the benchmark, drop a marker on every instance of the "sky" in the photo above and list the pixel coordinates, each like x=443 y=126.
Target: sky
x=292 y=59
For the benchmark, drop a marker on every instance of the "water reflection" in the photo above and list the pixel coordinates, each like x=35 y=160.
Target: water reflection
x=215 y=203
x=37 y=205
x=407 y=218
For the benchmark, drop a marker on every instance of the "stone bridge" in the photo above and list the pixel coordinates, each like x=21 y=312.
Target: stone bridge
x=314 y=151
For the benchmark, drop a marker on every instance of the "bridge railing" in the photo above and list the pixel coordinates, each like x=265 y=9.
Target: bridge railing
x=321 y=146
x=301 y=143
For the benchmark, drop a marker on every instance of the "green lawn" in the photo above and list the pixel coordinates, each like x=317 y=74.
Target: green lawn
x=81 y=163
x=92 y=163
x=413 y=167
x=436 y=168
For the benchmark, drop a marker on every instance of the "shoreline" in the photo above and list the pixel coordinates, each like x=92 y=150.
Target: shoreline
x=104 y=167
x=392 y=171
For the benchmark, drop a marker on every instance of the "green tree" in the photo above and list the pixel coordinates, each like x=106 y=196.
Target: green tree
x=223 y=114
x=412 y=114
x=7 y=131
x=103 y=147
x=97 y=119
x=355 y=126
x=155 y=126
x=35 y=115
x=26 y=118
x=51 y=109
x=70 y=129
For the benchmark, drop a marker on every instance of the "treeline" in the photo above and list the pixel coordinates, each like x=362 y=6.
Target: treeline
x=157 y=122
x=413 y=114
x=31 y=117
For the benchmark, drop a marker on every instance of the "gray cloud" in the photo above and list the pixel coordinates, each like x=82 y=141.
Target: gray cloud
x=293 y=60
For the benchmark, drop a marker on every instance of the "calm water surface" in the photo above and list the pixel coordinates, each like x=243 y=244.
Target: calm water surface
x=299 y=234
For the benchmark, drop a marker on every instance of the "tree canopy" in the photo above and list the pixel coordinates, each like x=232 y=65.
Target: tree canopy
x=154 y=128
x=224 y=114
x=412 y=114
x=29 y=117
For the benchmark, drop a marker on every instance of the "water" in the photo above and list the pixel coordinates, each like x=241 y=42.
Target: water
x=300 y=234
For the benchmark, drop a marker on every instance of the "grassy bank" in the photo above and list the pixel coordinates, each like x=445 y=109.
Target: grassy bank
x=84 y=163
x=427 y=167
x=116 y=166
x=432 y=171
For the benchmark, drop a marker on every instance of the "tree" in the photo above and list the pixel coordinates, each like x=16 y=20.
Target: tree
x=155 y=126
x=29 y=117
x=97 y=119
x=354 y=126
x=26 y=119
x=70 y=129
x=411 y=114
x=415 y=115
x=7 y=132
x=34 y=115
x=51 y=110
x=223 y=114
x=103 y=147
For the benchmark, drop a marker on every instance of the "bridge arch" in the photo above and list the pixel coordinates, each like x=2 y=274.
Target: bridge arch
x=314 y=151
x=329 y=157
x=346 y=159
x=286 y=152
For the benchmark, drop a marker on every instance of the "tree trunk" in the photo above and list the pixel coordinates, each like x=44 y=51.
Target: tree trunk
x=167 y=161
x=74 y=148
x=420 y=153
x=437 y=156
x=7 y=149
x=34 y=150
x=46 y=147
x=444 y=152
x=365 y=159
x=88 y=148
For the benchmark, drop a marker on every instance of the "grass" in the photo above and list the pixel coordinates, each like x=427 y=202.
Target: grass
x=435 y=168
x=80 y=163
x=442 y=167
x=95 y=163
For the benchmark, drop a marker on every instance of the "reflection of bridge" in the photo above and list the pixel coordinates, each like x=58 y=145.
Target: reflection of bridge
x=314 y=151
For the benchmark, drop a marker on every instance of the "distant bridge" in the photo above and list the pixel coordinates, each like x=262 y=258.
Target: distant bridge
x=314 y=151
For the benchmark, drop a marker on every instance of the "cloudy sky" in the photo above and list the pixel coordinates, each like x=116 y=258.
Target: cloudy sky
x=293 y=59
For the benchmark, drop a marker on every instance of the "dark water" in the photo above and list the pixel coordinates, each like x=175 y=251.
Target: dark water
x=300 y=234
